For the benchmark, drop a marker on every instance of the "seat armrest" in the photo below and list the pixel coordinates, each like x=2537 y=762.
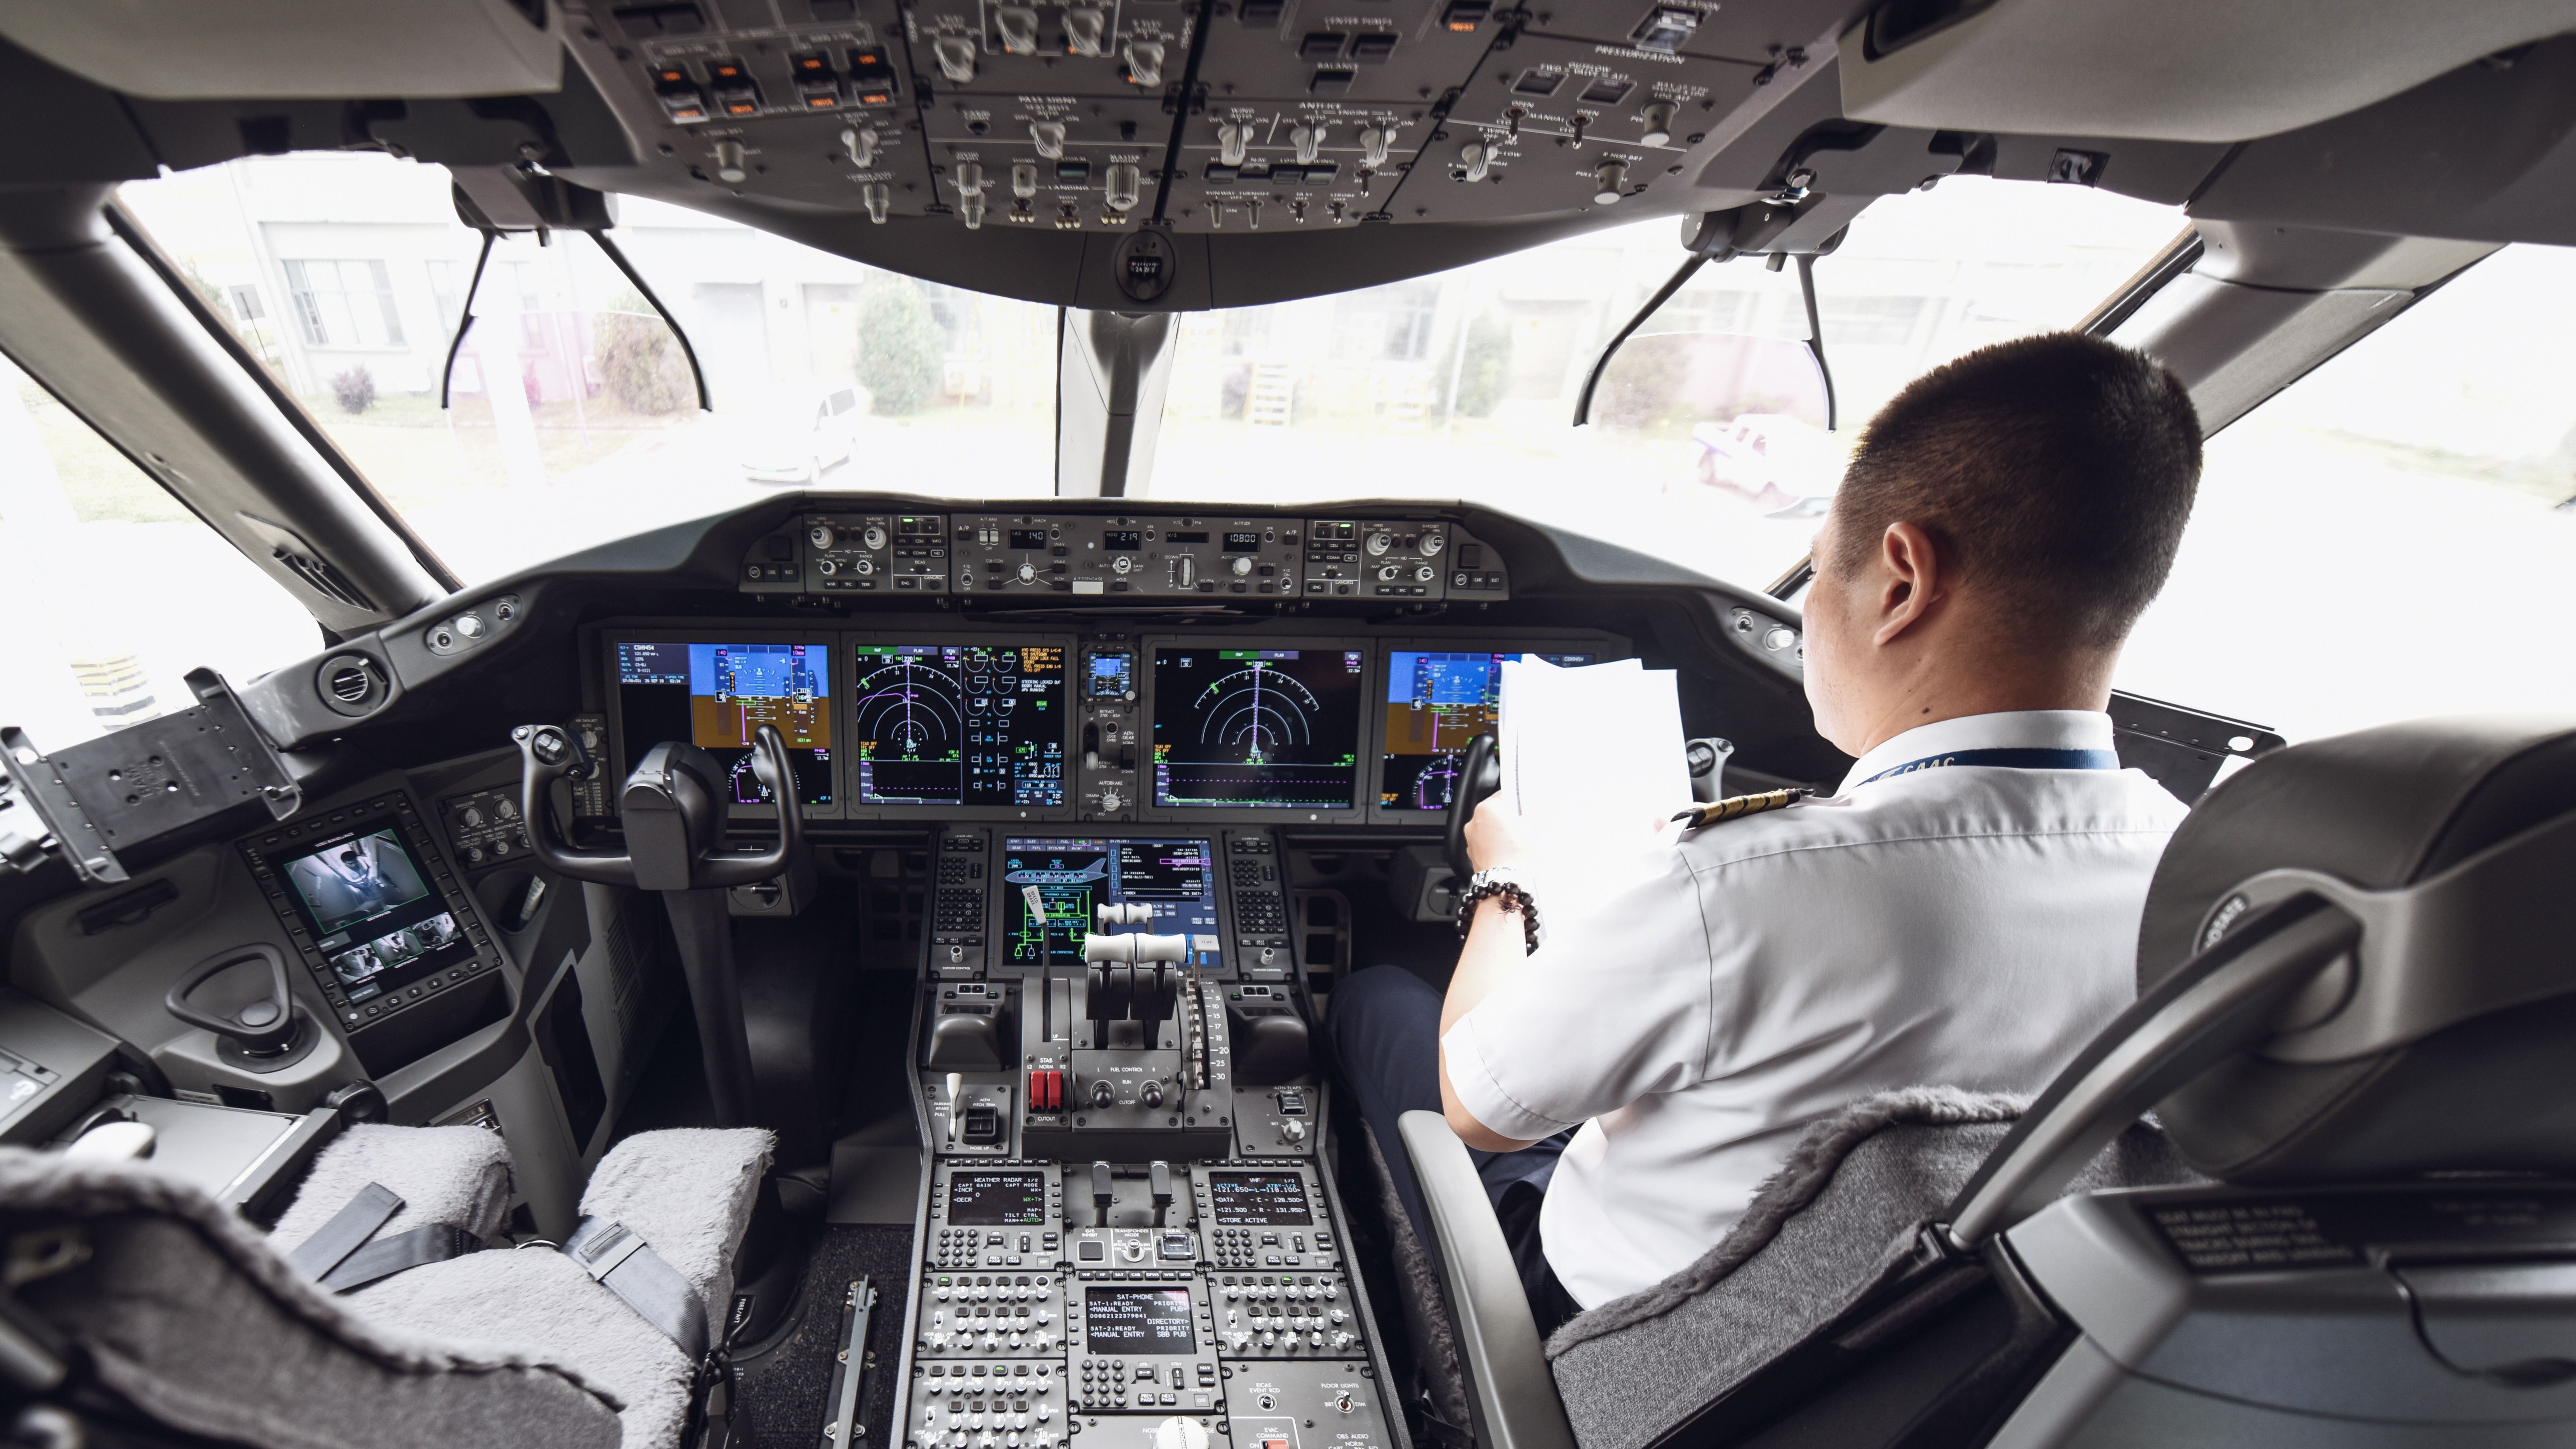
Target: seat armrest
x=1509 y=1385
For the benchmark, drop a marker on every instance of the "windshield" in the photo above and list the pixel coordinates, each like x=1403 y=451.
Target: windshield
x=2390 y=536
x=573 y=420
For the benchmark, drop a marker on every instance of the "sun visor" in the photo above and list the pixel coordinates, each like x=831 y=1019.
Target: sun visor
x=2177 y=70
x=187 y=50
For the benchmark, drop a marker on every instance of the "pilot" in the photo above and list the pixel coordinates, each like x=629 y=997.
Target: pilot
x=1962 y=911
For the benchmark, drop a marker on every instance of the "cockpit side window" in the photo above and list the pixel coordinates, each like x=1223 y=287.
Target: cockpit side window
x=2393 y=534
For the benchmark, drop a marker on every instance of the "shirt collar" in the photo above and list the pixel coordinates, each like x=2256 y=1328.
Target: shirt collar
x=2043 y=729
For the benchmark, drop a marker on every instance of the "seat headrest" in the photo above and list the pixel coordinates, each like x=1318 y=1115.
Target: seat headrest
x=2379 y=810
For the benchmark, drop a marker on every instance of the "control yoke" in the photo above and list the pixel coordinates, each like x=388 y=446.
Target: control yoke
x=674 y=808
x=1479 y=775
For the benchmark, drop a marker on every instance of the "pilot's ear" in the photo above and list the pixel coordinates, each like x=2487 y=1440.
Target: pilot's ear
x=1911 y=579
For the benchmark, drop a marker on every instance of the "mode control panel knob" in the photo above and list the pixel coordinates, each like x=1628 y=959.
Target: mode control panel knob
x=1433 y=540
x=1380 y=542
x=1185 y=572
x=873 y=536
x=1028 y=573
x=820 y=535
x=827 y=566
x=1241 y=565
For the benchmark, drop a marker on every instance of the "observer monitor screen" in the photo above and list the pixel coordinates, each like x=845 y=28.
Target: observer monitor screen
x=959 y=724
x=1436 y=703
x=1050 y=887
x=376 y=919
x=1257 y=727
x=715 y=696
x=997 y=1199
x=1137 y=1319
x=1258 y=1200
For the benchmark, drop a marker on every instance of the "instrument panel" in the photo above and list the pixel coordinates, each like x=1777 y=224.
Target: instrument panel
x=996 y=721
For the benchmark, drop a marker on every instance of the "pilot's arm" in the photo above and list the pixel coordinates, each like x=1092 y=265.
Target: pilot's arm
x=1613 y=1007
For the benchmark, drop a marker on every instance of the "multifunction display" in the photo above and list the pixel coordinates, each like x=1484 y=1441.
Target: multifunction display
x=1258 y=1200
x=1257 y=727
x=1050 y=887
x=716 y=695
x=375 y=917
x=997 y=1199
x=1436 y=704
x=959 y=724
x=1138 y=1319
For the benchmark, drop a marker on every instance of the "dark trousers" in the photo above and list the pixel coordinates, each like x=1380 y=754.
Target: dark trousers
x=1385 y=1033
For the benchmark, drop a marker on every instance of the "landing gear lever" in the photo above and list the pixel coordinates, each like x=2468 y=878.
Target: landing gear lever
x=674 y=806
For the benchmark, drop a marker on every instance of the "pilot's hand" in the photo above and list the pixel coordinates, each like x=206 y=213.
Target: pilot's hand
x=1496 y=836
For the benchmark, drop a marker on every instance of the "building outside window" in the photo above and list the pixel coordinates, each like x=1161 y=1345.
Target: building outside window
x=344 y=303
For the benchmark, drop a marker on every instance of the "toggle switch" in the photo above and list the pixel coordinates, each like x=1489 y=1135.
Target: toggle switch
x=1102 y=1189
x=956 y=56
x=1476 y=157
x=1231 y=139
x=861 y=143
x=1309 y=141
x=1373 y=146
x=1024 y=179
x=1145 y=63
x=1018 y=25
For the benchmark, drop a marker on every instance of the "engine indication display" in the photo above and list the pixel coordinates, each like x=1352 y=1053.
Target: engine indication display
x=959 y=724
x=716 y=696
x=1258 y=727
x=1050 y=887
x=1436 y=705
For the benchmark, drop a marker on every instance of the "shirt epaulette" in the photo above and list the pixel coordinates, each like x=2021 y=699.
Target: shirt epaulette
x=1735 y=807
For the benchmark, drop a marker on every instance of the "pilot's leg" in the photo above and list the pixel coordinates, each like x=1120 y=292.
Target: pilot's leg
x=1385 y=1033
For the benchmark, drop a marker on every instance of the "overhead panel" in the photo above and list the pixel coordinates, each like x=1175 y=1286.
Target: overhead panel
x=1563 y=124
x=811 y=105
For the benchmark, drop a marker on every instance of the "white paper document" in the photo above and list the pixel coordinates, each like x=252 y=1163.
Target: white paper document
x=1592 y=759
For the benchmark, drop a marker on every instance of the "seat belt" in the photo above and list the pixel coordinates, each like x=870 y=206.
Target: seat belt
x=344 y=1254
x=623 y=1263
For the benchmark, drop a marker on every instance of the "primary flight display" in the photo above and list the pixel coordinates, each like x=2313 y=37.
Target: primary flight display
x=1257 y=727
x=717 y=695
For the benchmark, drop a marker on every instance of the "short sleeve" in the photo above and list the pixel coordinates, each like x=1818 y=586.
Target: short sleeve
x=1614 y=1006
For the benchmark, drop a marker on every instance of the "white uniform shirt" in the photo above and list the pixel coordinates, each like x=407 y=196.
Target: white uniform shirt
x=1970 y=926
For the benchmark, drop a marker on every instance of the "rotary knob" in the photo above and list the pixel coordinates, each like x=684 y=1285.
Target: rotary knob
x=1121 y=564
x=1242 y=565
x=820 y=535
x=1028 y=573
x=1423 y=574
x=873 y=536
x=1380 y=542
x=827 y=566
x=1432 y=542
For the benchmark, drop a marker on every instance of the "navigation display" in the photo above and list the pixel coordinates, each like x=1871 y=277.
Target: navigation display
x=959 y=724
x=1258 y=1200
x=373 y=914
x=1049 y=887
x=1137 y=1319
x=716 y=695
x=1259 y=727
x=1436 y=704
x=997 y=1199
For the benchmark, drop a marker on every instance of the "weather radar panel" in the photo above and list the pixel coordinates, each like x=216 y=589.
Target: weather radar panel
x=1436 y=704
x=716 y=696
x=959 y=724
x=1258 y=727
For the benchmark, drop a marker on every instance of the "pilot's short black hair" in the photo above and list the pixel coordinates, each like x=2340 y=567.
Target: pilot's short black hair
x=2054 y=471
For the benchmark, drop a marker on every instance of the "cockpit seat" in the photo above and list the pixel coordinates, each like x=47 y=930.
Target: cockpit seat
x=144 y=1310
x=687 y=1195
x=455 y=1179
x=2355 y=996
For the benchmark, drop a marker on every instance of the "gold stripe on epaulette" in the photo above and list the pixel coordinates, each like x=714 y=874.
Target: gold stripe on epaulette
x=1735 y=807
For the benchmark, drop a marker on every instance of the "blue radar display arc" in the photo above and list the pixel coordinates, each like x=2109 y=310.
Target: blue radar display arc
x=1258 y=711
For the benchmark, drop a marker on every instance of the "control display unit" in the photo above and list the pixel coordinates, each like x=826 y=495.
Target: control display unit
x=1258 y=1200
x=376 y=919
x=1257 y=727
x=1050 y=888
x=968 y=724
x=1124 y=1318
x=997 y=1199
x=716 y=695
x=1436 y=704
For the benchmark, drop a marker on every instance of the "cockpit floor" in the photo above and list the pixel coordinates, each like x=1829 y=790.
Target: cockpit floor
x=784 y=1389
